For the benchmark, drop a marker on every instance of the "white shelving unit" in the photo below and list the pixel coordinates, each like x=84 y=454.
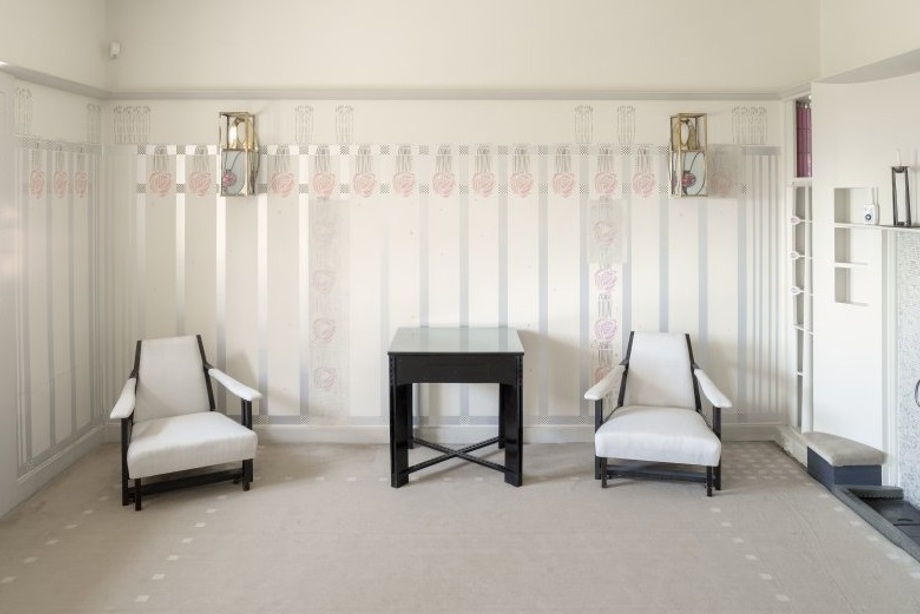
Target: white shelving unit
x=802 y=299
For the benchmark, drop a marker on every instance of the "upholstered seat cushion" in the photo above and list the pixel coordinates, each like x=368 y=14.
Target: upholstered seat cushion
x=177 y=443
x=658 y=434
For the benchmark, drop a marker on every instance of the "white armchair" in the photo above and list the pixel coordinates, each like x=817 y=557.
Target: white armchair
x=169 y=424
x=658 y=424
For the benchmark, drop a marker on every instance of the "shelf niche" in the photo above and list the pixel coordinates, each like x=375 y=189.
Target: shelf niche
x=852 y=248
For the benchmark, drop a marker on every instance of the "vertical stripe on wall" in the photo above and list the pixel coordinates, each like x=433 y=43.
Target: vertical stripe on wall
x=262 y=332
x=503 y=180
x=303 y=278
x=181 y=191
x=703 y=281
x=542 y=370
x=585 y=365
x=664 y=276
x=220 y=256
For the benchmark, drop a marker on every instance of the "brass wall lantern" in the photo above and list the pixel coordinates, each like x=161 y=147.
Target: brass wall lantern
x=688 y=168
x=239 y=154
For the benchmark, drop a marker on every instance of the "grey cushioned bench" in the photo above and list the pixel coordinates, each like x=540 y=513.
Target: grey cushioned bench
x=837 y=461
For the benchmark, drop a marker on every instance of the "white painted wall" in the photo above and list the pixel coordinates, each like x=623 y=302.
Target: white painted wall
x=543 y=45
x=62 y=38
x=858 y=130
x=855 y=33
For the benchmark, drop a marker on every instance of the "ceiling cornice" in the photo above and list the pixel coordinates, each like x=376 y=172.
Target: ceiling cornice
x=81 y=89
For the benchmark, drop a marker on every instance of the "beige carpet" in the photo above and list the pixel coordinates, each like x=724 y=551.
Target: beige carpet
x=322 y=531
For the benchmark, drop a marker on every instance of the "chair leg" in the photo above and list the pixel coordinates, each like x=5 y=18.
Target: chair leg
x=708 y=481
x=718 y=476
x=247 y=473
x=125 y=495
x=604 y=473
x=137 y=494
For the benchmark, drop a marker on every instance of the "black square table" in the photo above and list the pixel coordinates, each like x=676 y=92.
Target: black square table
x=456 y=356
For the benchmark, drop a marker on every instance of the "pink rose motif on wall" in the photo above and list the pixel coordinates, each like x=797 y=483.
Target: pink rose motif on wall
x=323 y=330
x=606 y=183
x=404 y=183
x=199 y=182
x=322 y=280
x=323 y=184
x=324 y=378
x=643 y=184
x=604 y=233
x=563 y=184
x=443 y=184
x=37 y=183
x=282 y=184
x=60 y=182
x=80 y=184
x=160 y=183
x=364 y=184
x=484 y=183
x=605 y=280
x=605 y=330
x=522 y=184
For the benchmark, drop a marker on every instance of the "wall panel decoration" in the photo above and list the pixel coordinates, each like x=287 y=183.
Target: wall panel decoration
x=301 y=288
x=57 y=358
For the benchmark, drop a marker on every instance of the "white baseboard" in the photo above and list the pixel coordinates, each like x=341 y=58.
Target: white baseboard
x=29 y=483
x=582 y=433
x=377 y=434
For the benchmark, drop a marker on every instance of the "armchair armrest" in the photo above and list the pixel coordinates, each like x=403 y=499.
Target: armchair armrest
x=124 y=406
x=241 y=390
x=609 y=382
x=711 y=391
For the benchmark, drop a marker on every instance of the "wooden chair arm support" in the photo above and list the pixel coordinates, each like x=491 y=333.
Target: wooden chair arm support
x=717 y=421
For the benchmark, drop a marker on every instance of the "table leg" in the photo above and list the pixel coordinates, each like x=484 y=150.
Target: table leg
x=511 y=410
x=410 y=411
x=502 y=409
x=400 y=433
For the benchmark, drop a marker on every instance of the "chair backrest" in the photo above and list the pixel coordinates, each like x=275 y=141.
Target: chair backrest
x=170 y=378
x=659 y=371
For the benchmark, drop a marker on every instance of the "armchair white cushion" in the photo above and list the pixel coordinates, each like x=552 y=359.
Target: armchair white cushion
x=660 y=435
x=169 y=423
x=658 y=417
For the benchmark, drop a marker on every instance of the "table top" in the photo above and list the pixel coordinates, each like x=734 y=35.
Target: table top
x=460 y=340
